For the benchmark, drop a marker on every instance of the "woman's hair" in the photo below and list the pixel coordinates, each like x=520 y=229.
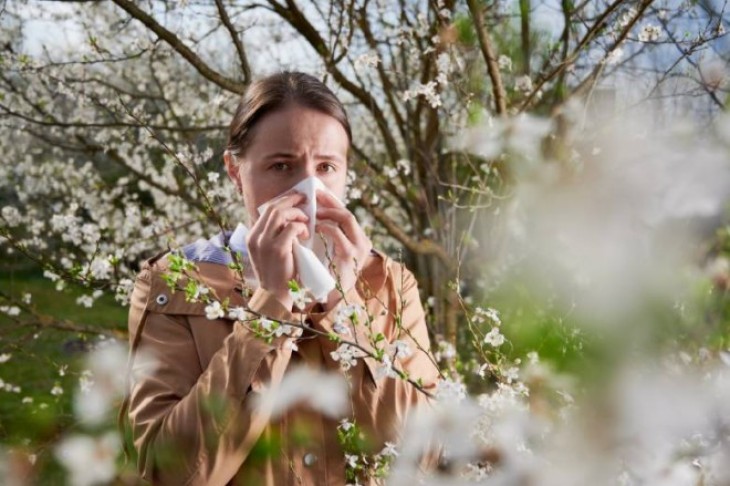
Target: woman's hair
x=276 y=92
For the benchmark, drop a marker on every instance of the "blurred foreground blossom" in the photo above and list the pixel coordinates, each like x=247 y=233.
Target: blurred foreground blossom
x=89 y=460
x=324 y=392
x=616 y=230
x=101 y=385
x=520 y=136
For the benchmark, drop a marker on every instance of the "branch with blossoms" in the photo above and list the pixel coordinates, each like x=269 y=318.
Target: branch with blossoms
x=347 y=353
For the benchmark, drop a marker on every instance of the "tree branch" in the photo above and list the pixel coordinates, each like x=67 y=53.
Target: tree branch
x=592 y=32
x=490 y=58
x=242 y=58
x=175 y=42
x=423 y=247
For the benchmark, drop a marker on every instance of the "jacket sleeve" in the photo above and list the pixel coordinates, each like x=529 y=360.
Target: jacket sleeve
x=193 y=425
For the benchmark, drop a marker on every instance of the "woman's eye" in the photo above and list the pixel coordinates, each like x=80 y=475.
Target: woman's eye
x=327 y=167
x=280 y=166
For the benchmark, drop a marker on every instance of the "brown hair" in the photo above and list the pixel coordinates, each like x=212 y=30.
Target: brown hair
x=276 y=92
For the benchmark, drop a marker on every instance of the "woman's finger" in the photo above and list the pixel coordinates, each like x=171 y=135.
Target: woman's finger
x=291 y=233
x=328 y=200
x=346 y=220
x=287 y=200
x=343 y=246
x=279 y=218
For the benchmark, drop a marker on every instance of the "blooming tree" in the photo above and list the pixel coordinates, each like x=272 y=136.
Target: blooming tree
x=482 y=149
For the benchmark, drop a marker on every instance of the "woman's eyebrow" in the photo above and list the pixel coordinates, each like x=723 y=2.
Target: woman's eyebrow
x=281 y=155
x=333 y=156
x=292 y=155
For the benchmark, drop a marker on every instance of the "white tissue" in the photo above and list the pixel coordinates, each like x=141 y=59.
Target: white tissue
x=310 y=255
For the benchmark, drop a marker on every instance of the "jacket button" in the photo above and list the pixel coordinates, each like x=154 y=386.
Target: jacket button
x=309 y=459
x=161 y=299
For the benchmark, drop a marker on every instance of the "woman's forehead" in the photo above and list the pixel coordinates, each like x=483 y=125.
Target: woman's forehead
x=294 y=128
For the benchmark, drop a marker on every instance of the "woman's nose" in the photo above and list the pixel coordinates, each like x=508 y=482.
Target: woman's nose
x=310 y=168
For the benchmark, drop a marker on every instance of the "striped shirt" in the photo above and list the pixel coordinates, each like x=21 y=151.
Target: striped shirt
x=213 y=250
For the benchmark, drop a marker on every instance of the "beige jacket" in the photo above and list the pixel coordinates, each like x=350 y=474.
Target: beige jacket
x=190 y=411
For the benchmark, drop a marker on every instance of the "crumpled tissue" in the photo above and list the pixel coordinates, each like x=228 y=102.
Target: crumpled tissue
x=311 y=255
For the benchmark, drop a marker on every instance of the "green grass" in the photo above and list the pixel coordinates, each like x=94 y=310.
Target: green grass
x=38 y=354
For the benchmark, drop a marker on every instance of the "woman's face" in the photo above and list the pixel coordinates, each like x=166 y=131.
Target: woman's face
x=287 y=146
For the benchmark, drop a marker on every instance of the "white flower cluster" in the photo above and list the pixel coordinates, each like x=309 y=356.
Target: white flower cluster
x=427 y=90
x=449 y=390
x=214 y=310
x=11 y=216
x=346 y=317
x=346 y=355
x=505 y=63
x=90 y=460
x=366 y=61
x=325 y=392
x=277 y=329
x=650 y=33
x=9 y=387
x=11 y=310
x=481 y=314
x=523 y=84
x=300 y=297
x=494 y=337
x=88 y=300
x=240 y=314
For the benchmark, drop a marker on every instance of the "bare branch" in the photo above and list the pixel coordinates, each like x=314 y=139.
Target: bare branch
x=589 y=36
x=590 y=81
x=175 y=42
x=423 y=247
x=490 y=58
x=235 y=37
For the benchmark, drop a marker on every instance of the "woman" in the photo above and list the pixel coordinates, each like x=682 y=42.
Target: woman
x=191 y=412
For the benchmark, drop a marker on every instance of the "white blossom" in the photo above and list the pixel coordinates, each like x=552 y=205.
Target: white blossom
x=56 y=390
x=367 y=60
x=239 y=314
x=404 y=166
x=494 y=338
x=389 y=450
x=401 y=349
x=5 y=357
x=650 y=33
x=505 y=63
x=214 y=310
x=11 y=215
x=266 y=324
x=427 y=90
x=448 y=390
x=385 y=369
x=12 y=310
x=324 y=392
x=345 y=425
x=300 y=298
x=523 y=84
x=89 y=460
x=101 y=383
x=614 y=57
x=85 y=301
x=346 y=355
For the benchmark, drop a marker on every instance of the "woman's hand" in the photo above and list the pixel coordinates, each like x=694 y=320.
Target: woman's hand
x=271 y=242
x=351 y=244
